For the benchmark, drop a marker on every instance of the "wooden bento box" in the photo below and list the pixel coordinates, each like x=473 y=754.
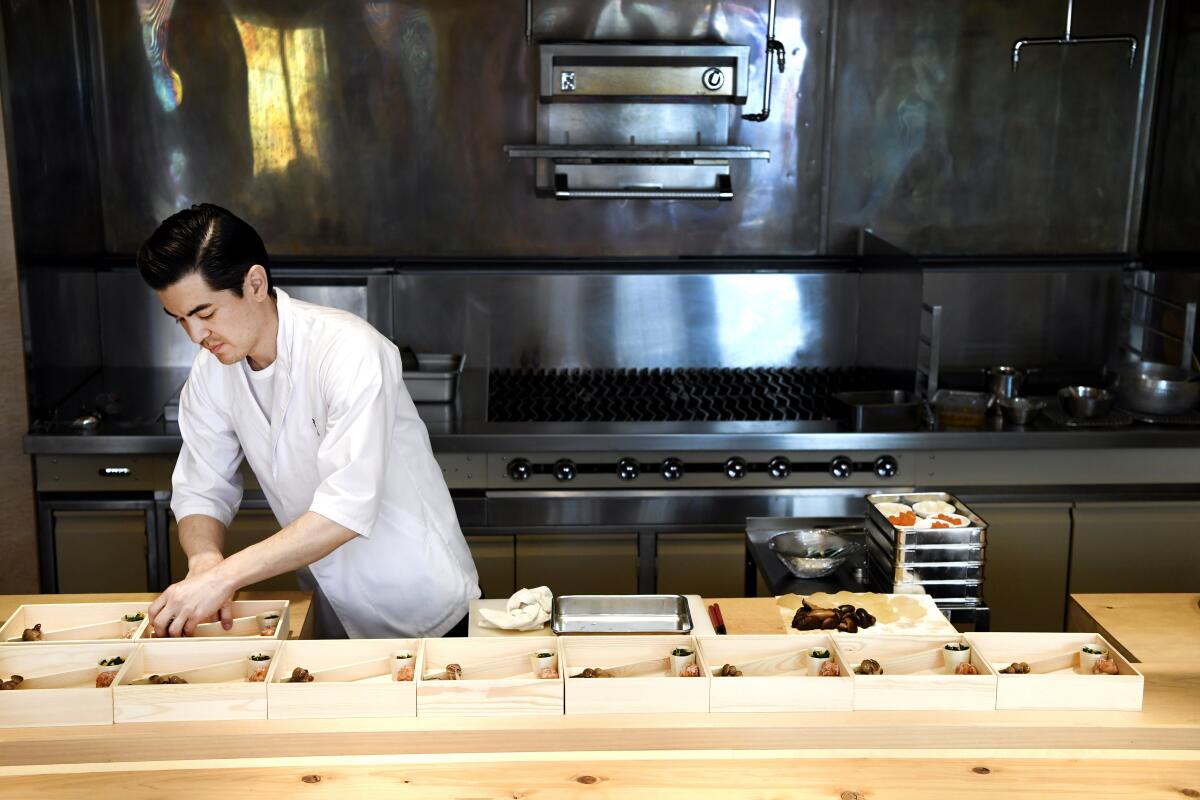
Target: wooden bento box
x=217 y=675
x=59 y=684
x=63 y=623
x=643 y=681
x=250 y=619
x=915 y=676
x=1055 y=679
x=777 y=674
x=349 y=678
x=498 y=678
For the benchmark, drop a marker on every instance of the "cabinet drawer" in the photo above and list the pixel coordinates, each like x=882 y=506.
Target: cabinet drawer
x=1135 y=547
x=100 y=551
x=118 y=473
x=578 y=563
x=707 y=564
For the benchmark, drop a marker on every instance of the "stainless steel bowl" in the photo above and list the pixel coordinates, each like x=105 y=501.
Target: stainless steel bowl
x=1155 y=388
x=1006 y=381
x=812 y=552
x=1020 y=410
x=1085 y=402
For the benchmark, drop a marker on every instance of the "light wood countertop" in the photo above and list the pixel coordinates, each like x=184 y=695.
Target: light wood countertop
x=1156 y=628
x=302 y=623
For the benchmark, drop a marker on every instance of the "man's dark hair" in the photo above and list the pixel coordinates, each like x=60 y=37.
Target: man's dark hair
x=206 y=239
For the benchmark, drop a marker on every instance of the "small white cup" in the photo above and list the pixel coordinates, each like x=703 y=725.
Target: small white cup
x=543 y=659
x=815 y=662
x=679 y=662
x=109 y=668
x=130 y=626
x=1088 y=660
x=267 y=619
x=257 y=666
x=951 y=658
x=402 y=659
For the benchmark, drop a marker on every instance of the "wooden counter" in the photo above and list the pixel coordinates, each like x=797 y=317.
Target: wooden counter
x=857 y=755
x=302 y=622
x=1158 y=628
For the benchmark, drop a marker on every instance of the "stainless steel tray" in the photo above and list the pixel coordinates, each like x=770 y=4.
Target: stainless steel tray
x=926 y=572
x=620 y=613
x=917 y=554
x=975 y=533
x=942 y=591
x=436 y=380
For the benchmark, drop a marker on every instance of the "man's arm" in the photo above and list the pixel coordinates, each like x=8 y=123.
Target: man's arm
x=202 y=594
x=202 y=539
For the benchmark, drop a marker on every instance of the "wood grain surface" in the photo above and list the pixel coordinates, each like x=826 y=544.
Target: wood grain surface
x=1144 y=627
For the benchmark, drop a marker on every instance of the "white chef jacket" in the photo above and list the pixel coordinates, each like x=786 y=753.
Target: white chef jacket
x=344 y=440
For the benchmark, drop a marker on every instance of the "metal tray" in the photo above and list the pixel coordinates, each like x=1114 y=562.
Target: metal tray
x=895 y=410
x=917 y=554
x=620 y=613
x=975 y=533
x=436 y=380
x=925 y=573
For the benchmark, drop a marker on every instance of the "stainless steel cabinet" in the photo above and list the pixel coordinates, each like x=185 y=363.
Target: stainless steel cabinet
x=250 y=526
x=100 y=551
x=1136 y=547
x=1025 y=578
x=708 y=564
x=495 y=559
x=578 y=563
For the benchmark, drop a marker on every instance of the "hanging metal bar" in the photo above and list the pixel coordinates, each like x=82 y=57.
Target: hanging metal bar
x=1068 y=39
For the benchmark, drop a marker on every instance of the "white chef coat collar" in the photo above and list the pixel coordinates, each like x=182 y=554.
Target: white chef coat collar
x=283 y=359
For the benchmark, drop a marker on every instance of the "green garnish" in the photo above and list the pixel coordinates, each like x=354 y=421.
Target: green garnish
x=820 y=654
x=404 y=655
x=260 y=657
x=544 y=654
x=138 y=617
x=680 y=651
x=958 y=648
x=112 y=662
x=1092 y=651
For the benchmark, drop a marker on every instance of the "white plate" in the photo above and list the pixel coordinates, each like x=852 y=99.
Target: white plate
x=931 y=508
x=892 y=509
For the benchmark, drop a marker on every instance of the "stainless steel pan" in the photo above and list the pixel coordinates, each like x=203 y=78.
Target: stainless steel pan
x=1154 y=388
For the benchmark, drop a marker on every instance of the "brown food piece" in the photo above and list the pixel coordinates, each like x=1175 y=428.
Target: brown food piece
x=405 y=672
x=454 y=672
x=1016 y=668
x=1106 y=666
x=33 y=634
x=869 y=666
x=105 y=679
x=830 y=624
x=593 y=672
x=159 y=680
x=730 y=671
x=829 y=670
x=848 y=624
x=846 y=618
x=12 y=683
x=301 y=675
x=966 y=668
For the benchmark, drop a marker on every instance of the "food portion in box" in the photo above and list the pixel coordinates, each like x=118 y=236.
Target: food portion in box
x=884 y=613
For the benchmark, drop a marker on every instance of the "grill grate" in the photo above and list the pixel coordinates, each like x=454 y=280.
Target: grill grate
x=757 y=394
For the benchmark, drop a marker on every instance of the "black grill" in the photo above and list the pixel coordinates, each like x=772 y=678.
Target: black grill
x=757 y=394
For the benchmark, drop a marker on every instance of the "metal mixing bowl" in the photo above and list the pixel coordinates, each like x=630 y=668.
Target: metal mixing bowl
x=1085 y=402
x=812 y=552
x=1156 y=388
x=1020 y=410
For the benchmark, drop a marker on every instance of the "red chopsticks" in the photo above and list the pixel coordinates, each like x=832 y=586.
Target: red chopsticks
x=718 y=621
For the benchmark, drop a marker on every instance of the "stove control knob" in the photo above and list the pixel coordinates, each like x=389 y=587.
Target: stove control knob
x=779 y=467
x=841 y=467
x=672 y=469
x=735 y=468
x=564 y=469
x=519 y=469
x=628 y=469
x=886 y=467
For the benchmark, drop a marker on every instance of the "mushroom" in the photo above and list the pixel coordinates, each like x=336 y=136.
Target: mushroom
x=829 y=670
x=593 y=672
x=300 y=675
x=848 y=624
x=730 y=671
x=1016 y=668
x=454 y=672
x=869 y=666
x=1105 y=666
x=159 y=680
x=12 y=683
x=33 y=634
x=966 y=668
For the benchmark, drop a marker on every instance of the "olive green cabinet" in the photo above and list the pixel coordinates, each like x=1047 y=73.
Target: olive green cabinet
x=581 y=563
x=495 y=559
x=1136 y=547
x=100 y=551
x=707 y=564
x=1025 y=577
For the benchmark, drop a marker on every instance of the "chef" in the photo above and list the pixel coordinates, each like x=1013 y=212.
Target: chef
x=313 y=399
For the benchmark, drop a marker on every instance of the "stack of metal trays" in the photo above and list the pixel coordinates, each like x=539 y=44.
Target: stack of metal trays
x=946 y=563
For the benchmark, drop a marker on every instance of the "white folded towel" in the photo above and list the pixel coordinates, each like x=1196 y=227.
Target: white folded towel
x=528 y=610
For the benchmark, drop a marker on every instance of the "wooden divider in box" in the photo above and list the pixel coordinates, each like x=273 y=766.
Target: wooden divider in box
x=217 y=685
x=63 y=623
x=350 y=678
x=914 y=675
x=248 y=622
x=775 y=674
x=497 y=678
x=1054 y=680
x=59 y=684
x=648 y=686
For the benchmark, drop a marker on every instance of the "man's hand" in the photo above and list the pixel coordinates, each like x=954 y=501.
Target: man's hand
x=205 y=592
